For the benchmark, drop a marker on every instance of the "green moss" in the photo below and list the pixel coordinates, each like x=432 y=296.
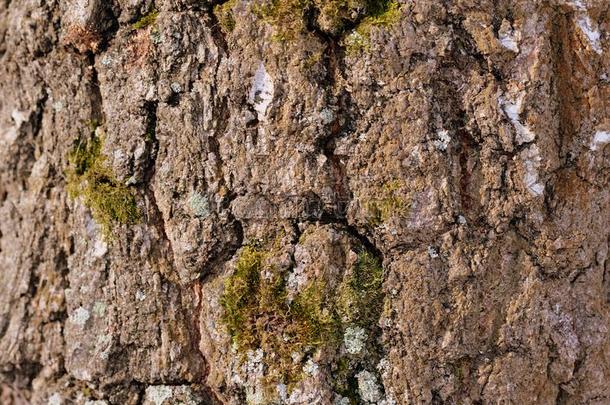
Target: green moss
x=224 y=15
x=360 y=300
x=89 y=177
x=146 y=20
x=384 y=14
x=389 y=204
x=289 y=16
x=258 y=315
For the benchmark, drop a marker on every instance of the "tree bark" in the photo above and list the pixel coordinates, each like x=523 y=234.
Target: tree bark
x=304 y=202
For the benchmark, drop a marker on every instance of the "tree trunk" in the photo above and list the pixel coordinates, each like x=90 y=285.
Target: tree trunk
x=304 y=202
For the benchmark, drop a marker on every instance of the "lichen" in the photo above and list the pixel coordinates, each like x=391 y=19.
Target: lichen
x=224 y=15
x=259 y=317
x=199 y=205
x=90 y=178
x=146 y=20
x=354 y=339
x=368 y=387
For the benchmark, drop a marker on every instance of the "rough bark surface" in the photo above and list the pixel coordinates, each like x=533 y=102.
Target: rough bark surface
x=461 y=148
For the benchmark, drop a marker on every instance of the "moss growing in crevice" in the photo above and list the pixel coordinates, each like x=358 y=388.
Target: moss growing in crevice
x=384 y=14
x=290 y=17
x=146 y=20
x=224 y=15
x=259 y=315
x=89 y=177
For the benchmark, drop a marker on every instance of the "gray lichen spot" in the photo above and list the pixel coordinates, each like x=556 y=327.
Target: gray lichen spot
x=368 y=387
x=327 y=116
x=54 y=399
x=310 y=368
x=199 y=205
x=354 y=339
x=99 y=308
x=80 y=316
x=443 y=140
x=158 y=394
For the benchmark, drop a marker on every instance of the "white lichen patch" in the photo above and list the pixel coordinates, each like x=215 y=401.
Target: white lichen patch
x=199 y=205
x=158 y=394
x=508 y=37
x=100 y=248
x=19 y=117
x=442 y=141
x=589 y=29
x=58 y=106
x=327 y=116
x=513 y=109
x=103 y=345
x=432 y=252
x=340 y=400
x=368 y=387
x=140 y=296
x=600 y=138
x=354 y=339
x=298 y=278
x=531 y=163
x=282 y=392
x=311 y=368
x=99 y=308
x=255 y=395
x=254 y=364
x=261 y=93
x=80 y=316
x=54 y=399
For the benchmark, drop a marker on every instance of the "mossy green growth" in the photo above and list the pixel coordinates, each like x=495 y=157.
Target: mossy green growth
x=386 y=13
x=360 y=299
x=289 y=16
x=89 y=177
x=146 y=20
x=258 y=314
x=224 y=15
x=389 y=204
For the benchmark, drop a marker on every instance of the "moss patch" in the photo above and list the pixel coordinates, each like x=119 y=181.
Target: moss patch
x=224 y=15
x=89 y=177
x=258 y=315
x=389 y=203
x=289 y=16
x=146 y=20
x=384 y=14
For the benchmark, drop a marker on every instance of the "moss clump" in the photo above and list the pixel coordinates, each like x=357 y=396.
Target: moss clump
x=258 y=314
x=289 y=16
x=384 y=14
x=89 y=177
x=146 y=20
x=389 y=204
x=224 y=15
x=360 y=300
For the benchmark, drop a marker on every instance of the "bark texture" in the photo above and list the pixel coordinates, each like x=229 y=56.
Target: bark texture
x=304 y=202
